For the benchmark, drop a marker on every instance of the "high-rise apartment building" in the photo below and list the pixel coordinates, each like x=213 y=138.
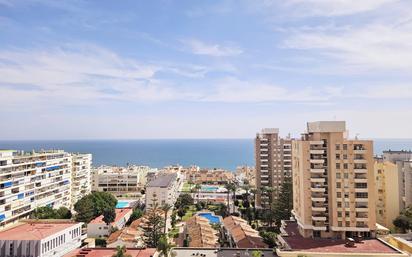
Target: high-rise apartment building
x=388 y=192
x=333 y=183
x=81 y=176
x=32 y=179
x=273 y=165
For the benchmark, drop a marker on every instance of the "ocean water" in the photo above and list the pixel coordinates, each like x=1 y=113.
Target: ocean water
x=207 y=153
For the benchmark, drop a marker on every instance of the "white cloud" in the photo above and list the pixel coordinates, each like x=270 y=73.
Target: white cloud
x=333 y=7
x=235 y=90
x=202 y=48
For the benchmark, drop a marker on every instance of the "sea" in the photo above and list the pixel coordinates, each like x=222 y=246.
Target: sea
x=158 y=153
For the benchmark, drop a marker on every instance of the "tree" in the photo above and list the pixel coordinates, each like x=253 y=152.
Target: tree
x=256 y=253
x=181 y=213
x=198 y=187
x=283 y=206
x=269 y=238
x=154 y=225
x=173 y=219
x=63 y=213
x=164 y=246
x=121 y=252
x=85 y=209
x=403 y=223
x=184 y=201
x=45 y=212
x=230 y=188
x=109 y=215
x=166 y=208
x=136 y=214
x=102 y=201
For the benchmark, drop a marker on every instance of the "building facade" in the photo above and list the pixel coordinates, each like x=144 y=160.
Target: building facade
x=333 y=183
x=81 y=176
x=119 y=181
x=98 y=228
x=33 y=179
x=273 y=157
x=163 y=190
x=388 y=192
x=196 y=175
x=41 y=239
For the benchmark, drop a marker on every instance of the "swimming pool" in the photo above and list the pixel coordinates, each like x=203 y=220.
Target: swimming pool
x=210 y=188
x=122 y=204
x=212 y=218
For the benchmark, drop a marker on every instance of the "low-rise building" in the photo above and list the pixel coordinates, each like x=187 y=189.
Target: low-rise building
x=199 y=233
x=127 y=181
x=388 y=192
x=51 y=238
x=246 y=174
x=98 y=228
x=196 y=175
x=81 y=176
x=109 y=252
x=33 y=179
x=240 y=234
x=164 y=189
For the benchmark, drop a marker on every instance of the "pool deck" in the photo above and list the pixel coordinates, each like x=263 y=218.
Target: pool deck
x=212 y=213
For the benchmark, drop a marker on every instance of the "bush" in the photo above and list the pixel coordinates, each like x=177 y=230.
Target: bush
x=100 y=242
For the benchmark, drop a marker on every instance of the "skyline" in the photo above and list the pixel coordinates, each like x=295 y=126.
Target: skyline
x=216 y=69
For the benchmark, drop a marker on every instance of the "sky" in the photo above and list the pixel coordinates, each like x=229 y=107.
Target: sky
x=203 y=69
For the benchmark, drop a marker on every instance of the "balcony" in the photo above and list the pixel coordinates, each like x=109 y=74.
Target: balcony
x=319 y=189
x=318 y=208
x=360 y=161
x=361 y=180
x=318 y=199
x=317 y=161
x=317 y=151
x=320 y=142
x=318 y=180
x=360 y=170
x=319 y=218
x=317 y=170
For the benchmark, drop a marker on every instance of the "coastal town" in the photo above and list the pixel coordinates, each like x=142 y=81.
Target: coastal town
x=320 y=194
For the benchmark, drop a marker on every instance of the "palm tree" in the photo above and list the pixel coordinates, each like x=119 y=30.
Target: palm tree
x=166 y=208
x=229 y=187
x=269 y=192
x=164 y=246
x=198 y=187
x=121 y=252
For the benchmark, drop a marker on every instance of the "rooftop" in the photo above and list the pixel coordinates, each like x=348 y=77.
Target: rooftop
x=35 y=230
x=298 y=243
x=108 y=252
x=120 y=213
x=326 y=126
x=201 y=233
x=243 y=234
x=163 y=180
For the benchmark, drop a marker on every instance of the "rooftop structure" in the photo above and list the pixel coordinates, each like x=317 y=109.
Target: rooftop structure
x=45 y=238
x=208 y=176
x=200 y=233
x=240 y=234
x=164 y=180
x=293 y=244
x=219 y=252
x=164 y=189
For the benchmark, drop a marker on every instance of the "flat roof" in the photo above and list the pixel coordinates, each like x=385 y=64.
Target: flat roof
x=120 y=213
x=35 y=230
x=163 y=180
x=108 y=252
x=299 y=243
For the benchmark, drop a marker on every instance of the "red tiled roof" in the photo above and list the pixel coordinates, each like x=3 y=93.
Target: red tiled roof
x=120 y=213
x=299 y=243
x=34 y=230
x=108 y=252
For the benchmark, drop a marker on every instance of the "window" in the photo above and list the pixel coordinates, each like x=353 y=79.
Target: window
x=346 y=204
x=347 y=223
x=346 y=175
x=345 y=156
x=347 y=214
x=345 y=166
x=337 y=175
x=339 y=204
x=345 y=147
x=338 y=194
x=337 y=165
x=338 y=185
x=337 y=156
x=339 y=223
x=339 y=214
x=337 y=147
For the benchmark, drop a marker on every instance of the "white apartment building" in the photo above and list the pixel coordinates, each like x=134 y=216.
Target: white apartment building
x=164 y=189
x=98 y=228
x=128 y=180
x=32 y=179
x=41 y=239
x=81 y=176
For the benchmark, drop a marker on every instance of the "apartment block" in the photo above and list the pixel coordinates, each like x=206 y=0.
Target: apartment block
x=197 y=175
x=273 y=157
x=32 y=179
x=81 y=176
x=333 y=183
x=119 y=181
x=164 y=189
x=403 y=162
x=388 y=192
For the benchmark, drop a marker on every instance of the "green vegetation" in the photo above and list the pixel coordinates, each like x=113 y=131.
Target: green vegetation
x=100 y=242
x=256 y=253
x=183 y=201
x=164 y=246
x=187 y=187
x=155 y=225
x=121 y=252
x=189 y=213
x=269 y=238
x=109 y=215
x=136 y=214
x=50 y=213
x=174 y=233
x=93 y=205
x=403 y=222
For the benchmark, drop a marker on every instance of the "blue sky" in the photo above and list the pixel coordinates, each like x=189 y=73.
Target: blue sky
x=203 y=69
